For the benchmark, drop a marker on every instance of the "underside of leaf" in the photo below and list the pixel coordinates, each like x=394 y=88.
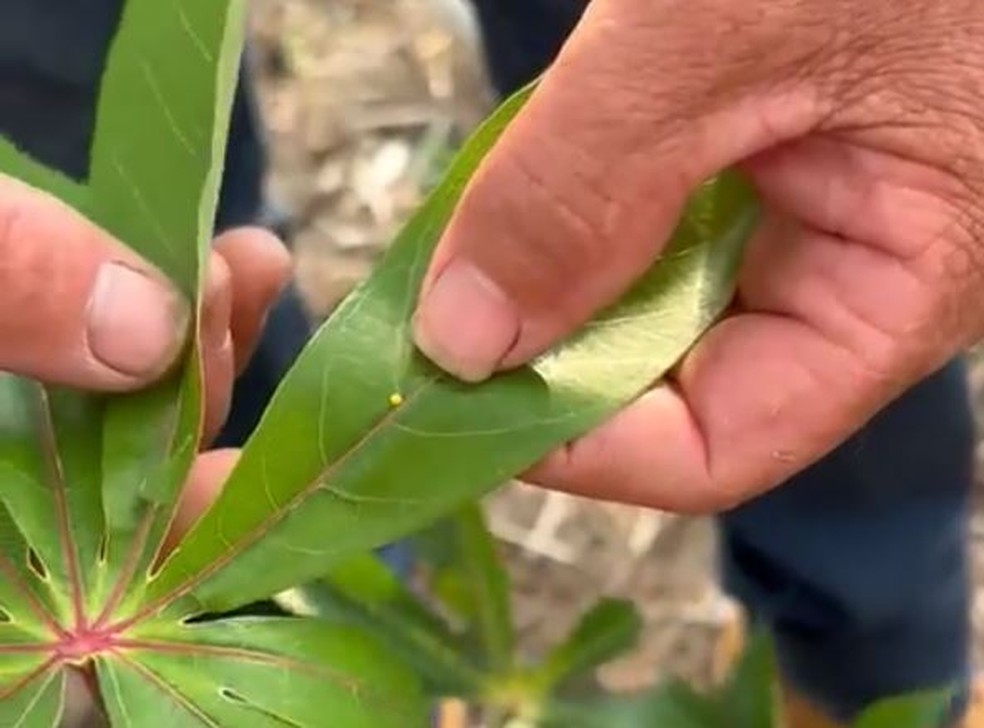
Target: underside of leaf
x=335 y=468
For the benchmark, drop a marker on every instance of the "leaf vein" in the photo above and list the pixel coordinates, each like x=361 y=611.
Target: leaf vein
x=56 y=473
x=37 y=699
x=170 y=690
x=172 y=121
x=145 y=206
x=189 y=29
x=261 y=528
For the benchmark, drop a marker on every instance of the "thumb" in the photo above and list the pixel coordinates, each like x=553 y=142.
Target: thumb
x=584 y=188
x=77 y=307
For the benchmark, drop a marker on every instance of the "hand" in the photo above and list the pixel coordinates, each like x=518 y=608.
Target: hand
x=78 y=308
x=863 y=127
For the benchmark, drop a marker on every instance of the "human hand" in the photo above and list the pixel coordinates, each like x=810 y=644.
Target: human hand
x=78 y=308
x=862 y=125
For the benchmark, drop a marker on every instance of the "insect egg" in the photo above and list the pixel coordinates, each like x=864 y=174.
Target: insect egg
x=395 y=399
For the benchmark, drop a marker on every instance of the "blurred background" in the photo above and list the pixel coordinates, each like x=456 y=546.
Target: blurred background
x=364 y=101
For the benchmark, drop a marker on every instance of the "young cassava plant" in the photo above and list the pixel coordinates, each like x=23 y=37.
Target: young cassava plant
x=748 y=699
x=337 y=466
x=458 y=635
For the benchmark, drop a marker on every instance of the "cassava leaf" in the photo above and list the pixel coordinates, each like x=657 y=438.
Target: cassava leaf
x=673 y=705
x=608 y=629
x=478 y=579
x=257 y=672
x=488 y=584
x=434 y=552
x=362 y=592
x=335 y=469
x=748 y=697
x=924 y=709
x=156 y=163
x=38 y=703
x=88 y=484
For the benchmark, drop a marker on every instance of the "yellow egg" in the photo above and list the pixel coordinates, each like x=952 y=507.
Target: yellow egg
x=396 y=399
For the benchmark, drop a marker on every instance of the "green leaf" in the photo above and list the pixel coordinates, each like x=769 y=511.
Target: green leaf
x=156 y=164
x=610 y=628
x=672 y=705
x=748 y=697
x=162 y=125
x=88 y=484
x=363 y=593
x=333 y=456
x=925 y=709
x=257 y=672
x=38 y=701
x=480 y=584
x=434 y=550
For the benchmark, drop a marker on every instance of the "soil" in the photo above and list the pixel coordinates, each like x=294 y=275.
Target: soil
x=363 y=100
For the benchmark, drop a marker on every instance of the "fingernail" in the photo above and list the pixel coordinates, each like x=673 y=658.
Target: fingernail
x=465 y=323
x=136 y=324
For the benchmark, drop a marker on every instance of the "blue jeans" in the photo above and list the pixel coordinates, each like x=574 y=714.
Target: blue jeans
x=857 y=566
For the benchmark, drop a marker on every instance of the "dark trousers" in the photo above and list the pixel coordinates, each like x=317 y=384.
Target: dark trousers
x=857 y=566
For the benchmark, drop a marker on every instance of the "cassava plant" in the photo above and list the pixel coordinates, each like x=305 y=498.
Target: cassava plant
x=338 y=463
x=364 y=442
x=456 y=632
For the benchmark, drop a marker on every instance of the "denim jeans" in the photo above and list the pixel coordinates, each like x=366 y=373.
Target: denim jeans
x=858 y=565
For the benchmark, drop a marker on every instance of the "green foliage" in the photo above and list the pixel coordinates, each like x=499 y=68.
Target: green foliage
x=435 y=635
x=748 y=699
x=609 y=628
x=925 y=709
x=458 y=632
x=89 y=483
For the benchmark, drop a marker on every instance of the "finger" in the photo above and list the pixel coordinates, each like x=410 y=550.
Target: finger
x=260 y=267
x=76 y=306
x=217 y=345
x=205 y=480
x=829 y=333
x=583 y=189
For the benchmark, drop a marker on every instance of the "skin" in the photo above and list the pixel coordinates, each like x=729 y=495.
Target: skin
x=68 y=315
x=861 y=125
